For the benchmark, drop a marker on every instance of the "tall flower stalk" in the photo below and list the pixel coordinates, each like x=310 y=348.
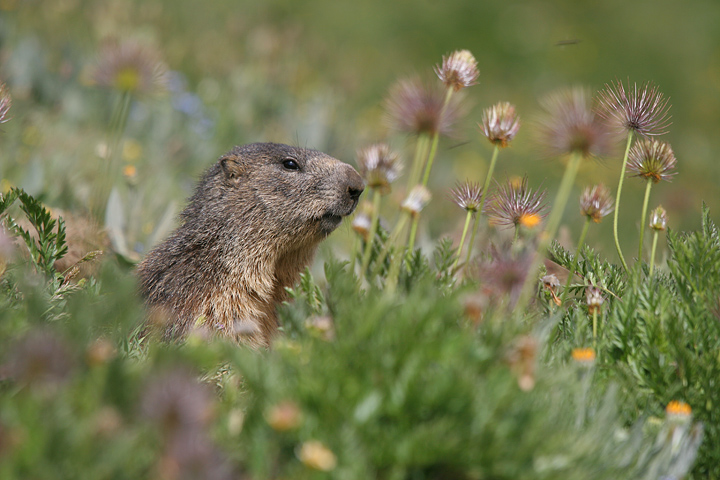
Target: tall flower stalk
x=654 y=161
x=641 y=111
x=379 y=167
x=569 y=127
x=469 y=197
x=595 y=203
x=499 y=125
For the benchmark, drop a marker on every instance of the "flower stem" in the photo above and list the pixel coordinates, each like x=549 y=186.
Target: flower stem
x=421 y=147
x=642 y=218
x=652 y=252
x=413 y=233
x=573 y=267
x=468 y=217
x=486 y=187
x=371 y=235
x=436 y=137
x=617 y=201
x=595 y=328
x=552 y=226
x=392 y=239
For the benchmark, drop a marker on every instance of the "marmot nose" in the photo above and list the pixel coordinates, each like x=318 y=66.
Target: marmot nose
x=354 y=182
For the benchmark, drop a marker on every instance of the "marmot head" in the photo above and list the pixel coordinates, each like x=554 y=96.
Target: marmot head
x=296 y=191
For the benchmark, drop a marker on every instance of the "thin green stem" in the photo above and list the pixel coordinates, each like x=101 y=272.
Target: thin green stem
x=421 y=147
x=516 y=235
x=652 y=252
x=468 y=217
x=392 y=239
x=552 y=226
x=413 y=233
x=573 y=267
x=617 y=201
x=595 y=327
x=436 y=137
x=643 y=216
x=371 y=235
x=486 y=187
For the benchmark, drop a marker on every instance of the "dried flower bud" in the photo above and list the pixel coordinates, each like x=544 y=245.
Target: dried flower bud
x=570 y=125
x=500 y=124
x=652 y=159
x=130 y=68
x=516 y=204
x=363 y=220
x=420 y=109
x=315 y=455
x=284 y=416
x=458 y=70
x=417 y=199
x=596 y=203
x=5 y=103
x=379 y=166
x=584 y=356
x=551 y=282
x=658 y=219
x=467 y=195
x=643 y=111
x=594 y=299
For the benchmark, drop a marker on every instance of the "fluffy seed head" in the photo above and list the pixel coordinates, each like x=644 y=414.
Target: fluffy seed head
x=658 y=219
x=596 y=203
x=642 y=110
x=415 y=107
x=514 y=204
x=130 y=68
x=417 y=199
x=569 y=125
x=5 y=103
x=458 y=70
x=379 y=166
x=363 y=220
x=652 y=159
x=467 y=195
x=500 y=124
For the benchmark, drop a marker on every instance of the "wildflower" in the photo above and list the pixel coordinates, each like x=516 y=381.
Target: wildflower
x=177 y=402
x=284 y=416
x=40 y=358
x=500 y=124
x=515 y=204
x=418 y=108
x=652 y=159
x=417 y=199
x=569 y=125
x=678 y=408
x=362 y=222
x=643 y=110
x=317 y=456
x=458 y=70
x=596 y=203
x=5 y=103
x=130 y=172
x=130 y=68
x=658 y=219
x=468 y=196
x=584 y=356
x=504 y=275
x=594 y=299
x=379 y=166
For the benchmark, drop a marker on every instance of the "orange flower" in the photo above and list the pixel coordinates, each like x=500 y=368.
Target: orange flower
x=583 y=355
x=317 y=456
x=678 y=408
x=284 y=416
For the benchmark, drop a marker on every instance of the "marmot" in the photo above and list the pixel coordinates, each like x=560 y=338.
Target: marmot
x=252 y=226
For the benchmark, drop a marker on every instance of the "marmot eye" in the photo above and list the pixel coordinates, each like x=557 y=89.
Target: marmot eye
x=290 y=164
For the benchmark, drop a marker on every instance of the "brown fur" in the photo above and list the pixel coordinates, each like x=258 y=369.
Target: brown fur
x=248 y=232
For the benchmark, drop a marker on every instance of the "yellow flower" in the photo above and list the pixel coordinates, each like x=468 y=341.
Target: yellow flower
x=583 y=355
x=679 y=409
x=315 y=455
x=284 y=416
x=530 y=220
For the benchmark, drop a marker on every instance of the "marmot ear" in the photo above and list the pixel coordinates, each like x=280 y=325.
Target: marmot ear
x=232 y=165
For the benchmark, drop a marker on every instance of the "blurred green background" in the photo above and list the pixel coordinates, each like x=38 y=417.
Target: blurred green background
x=315 y=73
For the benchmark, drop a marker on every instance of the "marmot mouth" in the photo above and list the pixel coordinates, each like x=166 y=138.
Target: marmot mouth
x=330 y=221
